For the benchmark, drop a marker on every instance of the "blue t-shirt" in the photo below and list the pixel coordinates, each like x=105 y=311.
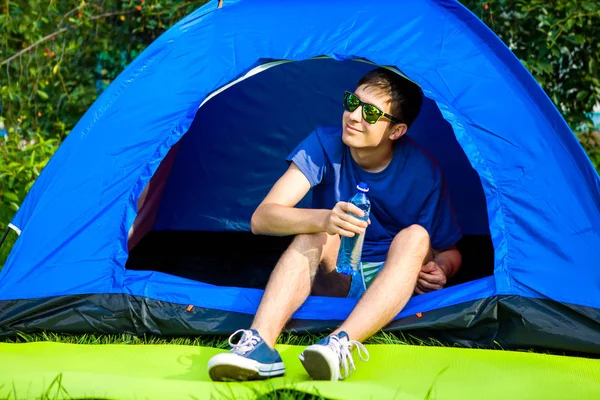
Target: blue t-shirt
x=410 y=190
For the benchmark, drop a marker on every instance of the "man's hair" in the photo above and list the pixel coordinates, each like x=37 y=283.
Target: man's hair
x=406 y=96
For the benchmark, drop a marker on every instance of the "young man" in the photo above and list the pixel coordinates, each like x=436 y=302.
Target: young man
x=410 y=237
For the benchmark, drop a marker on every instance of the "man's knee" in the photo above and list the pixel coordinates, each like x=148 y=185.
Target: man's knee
x=309 y=241
x=310 y=245
x=414 y=236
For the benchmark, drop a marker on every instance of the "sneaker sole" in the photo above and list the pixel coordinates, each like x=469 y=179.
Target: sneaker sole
x=318 y=365
x=229 y=366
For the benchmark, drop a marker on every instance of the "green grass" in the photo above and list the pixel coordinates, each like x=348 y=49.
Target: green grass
x=220 y=342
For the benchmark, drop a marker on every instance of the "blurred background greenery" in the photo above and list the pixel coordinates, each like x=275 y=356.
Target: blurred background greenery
x=57 y=56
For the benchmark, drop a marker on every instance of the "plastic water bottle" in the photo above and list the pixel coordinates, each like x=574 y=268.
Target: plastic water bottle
x=351 y=247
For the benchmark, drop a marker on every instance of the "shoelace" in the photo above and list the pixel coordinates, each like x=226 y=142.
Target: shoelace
x=247 y=342
x=344 y=353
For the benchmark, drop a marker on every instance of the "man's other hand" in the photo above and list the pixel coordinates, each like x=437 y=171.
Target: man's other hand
x=432 y=277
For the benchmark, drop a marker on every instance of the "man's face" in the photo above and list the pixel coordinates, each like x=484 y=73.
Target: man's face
x=358 y=133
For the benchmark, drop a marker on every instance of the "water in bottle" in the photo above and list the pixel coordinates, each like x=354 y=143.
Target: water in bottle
x=351 y=247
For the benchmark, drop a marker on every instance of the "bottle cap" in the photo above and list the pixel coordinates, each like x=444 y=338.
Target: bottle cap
x=363 y=187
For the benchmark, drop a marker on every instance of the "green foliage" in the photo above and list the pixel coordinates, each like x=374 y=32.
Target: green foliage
x=21 y=161
x=58 y=55
x=559 y=43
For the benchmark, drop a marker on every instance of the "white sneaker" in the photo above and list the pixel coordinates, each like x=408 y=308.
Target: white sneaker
x=331 y=358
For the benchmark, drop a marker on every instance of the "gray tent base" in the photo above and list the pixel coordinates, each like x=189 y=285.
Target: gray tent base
x=496 y=322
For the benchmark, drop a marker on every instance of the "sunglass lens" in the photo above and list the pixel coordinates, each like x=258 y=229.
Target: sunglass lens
x=351 y=102
x=371 y=113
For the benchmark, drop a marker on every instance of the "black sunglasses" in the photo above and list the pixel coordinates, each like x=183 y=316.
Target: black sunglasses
x=370 y=113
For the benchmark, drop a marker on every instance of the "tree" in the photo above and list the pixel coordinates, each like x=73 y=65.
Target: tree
x=57 y=56
x=559 y=43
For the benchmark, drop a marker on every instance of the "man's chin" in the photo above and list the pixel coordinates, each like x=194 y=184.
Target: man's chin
x=348 y=138
x=351 y=141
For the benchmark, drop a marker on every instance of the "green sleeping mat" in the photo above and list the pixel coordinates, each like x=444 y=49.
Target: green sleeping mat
x=121 y=371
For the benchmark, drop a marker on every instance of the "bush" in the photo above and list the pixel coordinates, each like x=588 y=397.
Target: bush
x=559 y=43
x=21 y=161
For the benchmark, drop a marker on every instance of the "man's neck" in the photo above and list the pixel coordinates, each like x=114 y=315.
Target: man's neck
x=373 y=159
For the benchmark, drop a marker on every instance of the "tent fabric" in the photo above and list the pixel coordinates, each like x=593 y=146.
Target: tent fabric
x=122 y=371
x=496 y=322
x=515 y=169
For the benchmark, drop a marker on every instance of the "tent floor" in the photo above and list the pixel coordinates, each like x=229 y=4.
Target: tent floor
x=242 y=259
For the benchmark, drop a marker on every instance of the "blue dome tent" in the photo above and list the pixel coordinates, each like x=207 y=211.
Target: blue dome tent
x=121 y=231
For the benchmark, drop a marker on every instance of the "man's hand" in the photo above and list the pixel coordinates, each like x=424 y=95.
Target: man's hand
x=344 y=224
x=432 y=277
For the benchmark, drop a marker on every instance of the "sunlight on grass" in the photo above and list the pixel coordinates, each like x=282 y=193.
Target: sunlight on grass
x=220 y=342
x=125 y=338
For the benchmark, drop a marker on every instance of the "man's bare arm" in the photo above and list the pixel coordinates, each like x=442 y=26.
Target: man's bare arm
x=449 y=260
x=435 y=274
x=276 y=215
x=278 y=220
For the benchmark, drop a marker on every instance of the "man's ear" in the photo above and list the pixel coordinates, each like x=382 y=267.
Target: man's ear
x=398 y=130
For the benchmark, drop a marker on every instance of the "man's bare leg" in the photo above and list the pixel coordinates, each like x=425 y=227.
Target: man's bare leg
x=392 y=288
x=290 y=282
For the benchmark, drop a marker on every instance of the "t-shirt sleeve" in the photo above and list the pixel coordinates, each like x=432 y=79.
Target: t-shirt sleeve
x=439 y=219
x=309 y=156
